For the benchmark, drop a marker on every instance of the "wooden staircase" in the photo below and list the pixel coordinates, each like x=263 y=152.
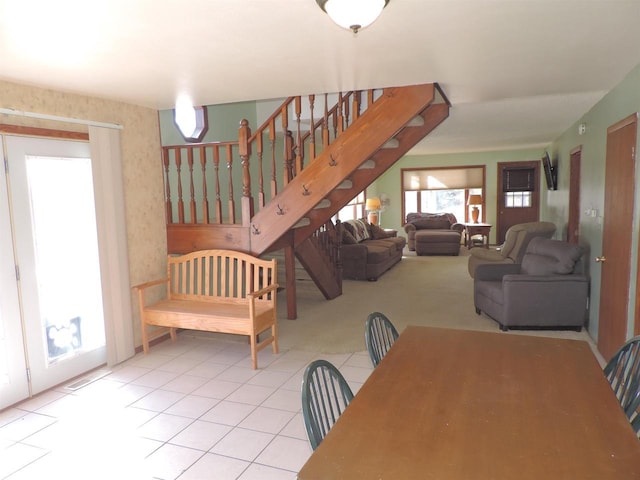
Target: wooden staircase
x=359 y=148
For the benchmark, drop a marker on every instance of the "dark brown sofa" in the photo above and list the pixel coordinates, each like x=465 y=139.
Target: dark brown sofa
x=434 y=233
x=367 y=251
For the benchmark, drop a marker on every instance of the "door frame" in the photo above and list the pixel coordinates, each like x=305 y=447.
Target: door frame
x=535 y=197
x=573 y=224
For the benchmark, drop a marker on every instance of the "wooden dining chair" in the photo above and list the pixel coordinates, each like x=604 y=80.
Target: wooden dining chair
x=623 y=373
x=325 y=395
x=379 y=335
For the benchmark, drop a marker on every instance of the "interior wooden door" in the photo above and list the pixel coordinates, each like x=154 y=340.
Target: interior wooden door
x=616 y=239
x=573 y=226
x=519 y=201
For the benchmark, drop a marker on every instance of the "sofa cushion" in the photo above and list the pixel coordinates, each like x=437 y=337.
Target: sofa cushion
x=450 y=217
x=432 y=223
x=550 y=257
x=359 y=229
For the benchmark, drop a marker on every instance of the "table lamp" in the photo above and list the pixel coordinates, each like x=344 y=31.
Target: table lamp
x=373 y=206
x=475 y=200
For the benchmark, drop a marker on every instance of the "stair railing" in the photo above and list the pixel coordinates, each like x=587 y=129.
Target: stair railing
x=290 y=138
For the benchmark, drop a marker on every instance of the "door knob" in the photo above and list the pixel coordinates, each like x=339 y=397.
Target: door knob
x=601 y=259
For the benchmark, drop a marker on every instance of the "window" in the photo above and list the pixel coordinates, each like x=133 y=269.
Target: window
x=352 y=210
x=517 y=184
x=435 y=190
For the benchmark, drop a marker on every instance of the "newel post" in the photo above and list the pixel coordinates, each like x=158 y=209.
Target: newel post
x=244 y=149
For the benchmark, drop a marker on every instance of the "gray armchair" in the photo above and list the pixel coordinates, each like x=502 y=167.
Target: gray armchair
x=515 y=244
x=547 y=290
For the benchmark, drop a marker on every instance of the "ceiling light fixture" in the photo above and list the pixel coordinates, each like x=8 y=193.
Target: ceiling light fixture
x=353 y=14
x=191 y=121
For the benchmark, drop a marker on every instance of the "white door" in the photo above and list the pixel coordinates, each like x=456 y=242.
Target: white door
x=13 y=367
x=54 y=228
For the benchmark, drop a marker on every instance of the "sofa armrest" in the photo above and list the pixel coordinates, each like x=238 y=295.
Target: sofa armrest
x=487 y=254
x=493 y=272
x=458 y=227
x=409 y=227
x=545 y=299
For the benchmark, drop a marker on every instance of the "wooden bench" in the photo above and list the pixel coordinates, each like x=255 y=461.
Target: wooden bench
x=216 y=291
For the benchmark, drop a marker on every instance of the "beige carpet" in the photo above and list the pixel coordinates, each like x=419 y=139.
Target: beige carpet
x=428 y=290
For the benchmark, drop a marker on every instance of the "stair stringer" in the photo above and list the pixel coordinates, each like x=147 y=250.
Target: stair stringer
x=310 y=257
x=408 y=137
x=365 y=136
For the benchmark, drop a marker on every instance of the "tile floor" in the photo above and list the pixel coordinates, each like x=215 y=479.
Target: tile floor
x=193 y=409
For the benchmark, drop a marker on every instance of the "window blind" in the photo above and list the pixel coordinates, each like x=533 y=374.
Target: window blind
x=442 y=178
x=518 y=180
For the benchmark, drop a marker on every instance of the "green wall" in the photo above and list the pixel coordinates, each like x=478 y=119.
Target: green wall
x=224 y=121
x=618 y=104
x=390 y=182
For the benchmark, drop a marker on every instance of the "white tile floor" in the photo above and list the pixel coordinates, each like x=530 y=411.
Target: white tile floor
x=193 y=409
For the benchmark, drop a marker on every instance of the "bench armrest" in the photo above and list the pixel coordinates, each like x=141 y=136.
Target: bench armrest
x=142 y=286
x=263 y=291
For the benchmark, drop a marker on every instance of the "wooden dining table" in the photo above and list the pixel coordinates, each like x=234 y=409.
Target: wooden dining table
x=453 y=404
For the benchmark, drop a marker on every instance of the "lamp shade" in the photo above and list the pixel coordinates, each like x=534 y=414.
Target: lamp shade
x=353 y=14
x=474 y=200
x=373 y=204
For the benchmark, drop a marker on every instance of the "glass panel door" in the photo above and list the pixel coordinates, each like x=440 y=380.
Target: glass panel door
x=13 y=368
x=57 y=251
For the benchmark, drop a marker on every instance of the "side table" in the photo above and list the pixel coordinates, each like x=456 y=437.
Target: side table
x=471 y=229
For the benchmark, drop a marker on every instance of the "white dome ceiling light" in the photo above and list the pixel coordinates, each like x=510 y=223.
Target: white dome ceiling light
x=353 y=14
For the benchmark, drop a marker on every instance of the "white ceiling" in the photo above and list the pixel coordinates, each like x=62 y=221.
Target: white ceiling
x=517 y=72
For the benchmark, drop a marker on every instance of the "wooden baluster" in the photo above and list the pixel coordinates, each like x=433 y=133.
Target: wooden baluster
x=167 y=203
x=299 y=148
x=192 y=192
x=216 y=169
x=312 y=130
x=244 y=149
x=346 y=110
x=325 y=125
x=272 y=140
x=288 y=145
x=357 y=95
x=232 y=204
x=205 y=198
x=180 y=202
x=288 y=157
x=261 y=198
x=369 y=97
x=340 y=115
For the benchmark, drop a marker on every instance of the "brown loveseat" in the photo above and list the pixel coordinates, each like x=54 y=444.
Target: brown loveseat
x=367 y=251
x=434 y=233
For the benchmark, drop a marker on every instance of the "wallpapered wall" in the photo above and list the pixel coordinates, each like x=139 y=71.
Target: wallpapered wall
x=141 y=166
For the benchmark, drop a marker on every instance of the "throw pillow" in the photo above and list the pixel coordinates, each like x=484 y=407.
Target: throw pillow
x=348 y=227
x=347 y=238
x=360 y=230
x=377 y=232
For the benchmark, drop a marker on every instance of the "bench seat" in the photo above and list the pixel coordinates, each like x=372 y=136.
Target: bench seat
x=219 y=291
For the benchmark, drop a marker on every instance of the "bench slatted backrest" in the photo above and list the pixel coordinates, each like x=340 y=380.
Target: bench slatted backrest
x=227 y=274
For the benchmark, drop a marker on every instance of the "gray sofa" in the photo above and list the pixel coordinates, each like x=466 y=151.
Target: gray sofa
x=515 y=244
x=548 y=290
x=367 y=251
